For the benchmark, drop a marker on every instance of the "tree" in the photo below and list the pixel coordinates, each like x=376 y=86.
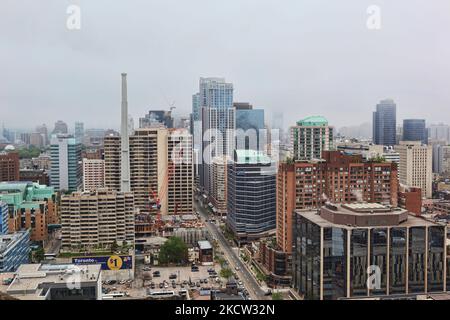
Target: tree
x=39 y=254
x=277 y=296
x=226 y=273
x=28 y=153
x=114 y=246
x=173 y=250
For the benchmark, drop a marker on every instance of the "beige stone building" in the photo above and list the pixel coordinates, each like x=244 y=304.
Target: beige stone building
x=219 y=188
x=152 y=170
x=93 y=174
x=415 y=166
x=97 y=218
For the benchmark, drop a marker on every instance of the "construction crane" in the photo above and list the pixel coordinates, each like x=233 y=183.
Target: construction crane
x=156 y=199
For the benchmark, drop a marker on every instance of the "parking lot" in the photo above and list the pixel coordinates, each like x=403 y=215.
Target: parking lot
x=177 y=278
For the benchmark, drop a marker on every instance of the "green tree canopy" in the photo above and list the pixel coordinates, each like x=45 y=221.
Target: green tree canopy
x=173 y=250
x=277 y=296
x=226 y=273
x=28 y=153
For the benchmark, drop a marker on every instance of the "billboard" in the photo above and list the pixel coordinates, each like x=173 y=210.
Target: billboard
x=113 y=262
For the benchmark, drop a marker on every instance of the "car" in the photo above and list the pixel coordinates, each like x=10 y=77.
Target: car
x=240 y=283
x=166 y=285
x=156 y=274
x=146 y=269
x=237 y=268
x=174 y=285
x=198 y=285
x=161 y=285
x=173 y=276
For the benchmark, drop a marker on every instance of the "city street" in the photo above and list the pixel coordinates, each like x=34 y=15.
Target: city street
x=245 y=276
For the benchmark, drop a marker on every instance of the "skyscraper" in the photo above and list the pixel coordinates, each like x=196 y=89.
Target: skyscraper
x=42 y=129
x=310 y=137
x=196 y=110
x=155 y=118
x=251 y=122
x=60 y=128
x=439 y=132
x=66 y=167
x=79 y=131
x=218 y=118
x=251 y=186
x=415 y=167
x=415 y=130
x=385 y=123
x=152 y=171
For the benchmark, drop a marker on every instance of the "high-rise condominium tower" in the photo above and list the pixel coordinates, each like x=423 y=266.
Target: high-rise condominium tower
x=97 y=218
x=310 y=137
x=152 y=169
x=218 y=124
x=66 y=169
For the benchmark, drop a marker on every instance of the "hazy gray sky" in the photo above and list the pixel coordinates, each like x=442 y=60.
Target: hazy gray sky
x=301 y=57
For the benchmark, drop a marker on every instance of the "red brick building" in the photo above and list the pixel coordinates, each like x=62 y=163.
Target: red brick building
x=9 y=166
x=410 y=198
x=338 y=178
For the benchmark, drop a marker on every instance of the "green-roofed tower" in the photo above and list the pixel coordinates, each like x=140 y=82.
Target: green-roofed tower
x=310 y=137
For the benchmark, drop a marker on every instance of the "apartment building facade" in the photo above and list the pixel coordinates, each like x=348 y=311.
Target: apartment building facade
x=97 y=218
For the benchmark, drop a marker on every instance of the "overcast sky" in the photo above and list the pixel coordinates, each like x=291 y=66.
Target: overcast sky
x=301 y=57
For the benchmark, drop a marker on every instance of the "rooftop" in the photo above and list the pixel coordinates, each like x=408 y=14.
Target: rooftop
x=363 y=215
x=313 y=121
x=251 y=156
x=32 y=281
x=204 y=245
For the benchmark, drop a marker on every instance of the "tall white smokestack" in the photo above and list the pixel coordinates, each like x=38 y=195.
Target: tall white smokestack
x=125 y=142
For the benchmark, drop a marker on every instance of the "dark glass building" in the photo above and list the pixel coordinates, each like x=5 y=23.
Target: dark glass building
x=367 y=250
x=156 y=118
x=251 y=122
x=251 y=195
x=385 y=123
x=415 y=130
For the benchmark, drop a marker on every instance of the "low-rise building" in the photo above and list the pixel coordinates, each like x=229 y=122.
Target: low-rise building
x=57 y=282
x=205 y=253
x=367 y=250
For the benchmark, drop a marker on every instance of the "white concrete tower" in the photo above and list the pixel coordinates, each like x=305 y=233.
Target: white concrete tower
x=125 y=141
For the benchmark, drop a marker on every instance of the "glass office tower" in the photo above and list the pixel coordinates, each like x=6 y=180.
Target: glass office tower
x=385 y=123
x=415 y=130
x=367 y=250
